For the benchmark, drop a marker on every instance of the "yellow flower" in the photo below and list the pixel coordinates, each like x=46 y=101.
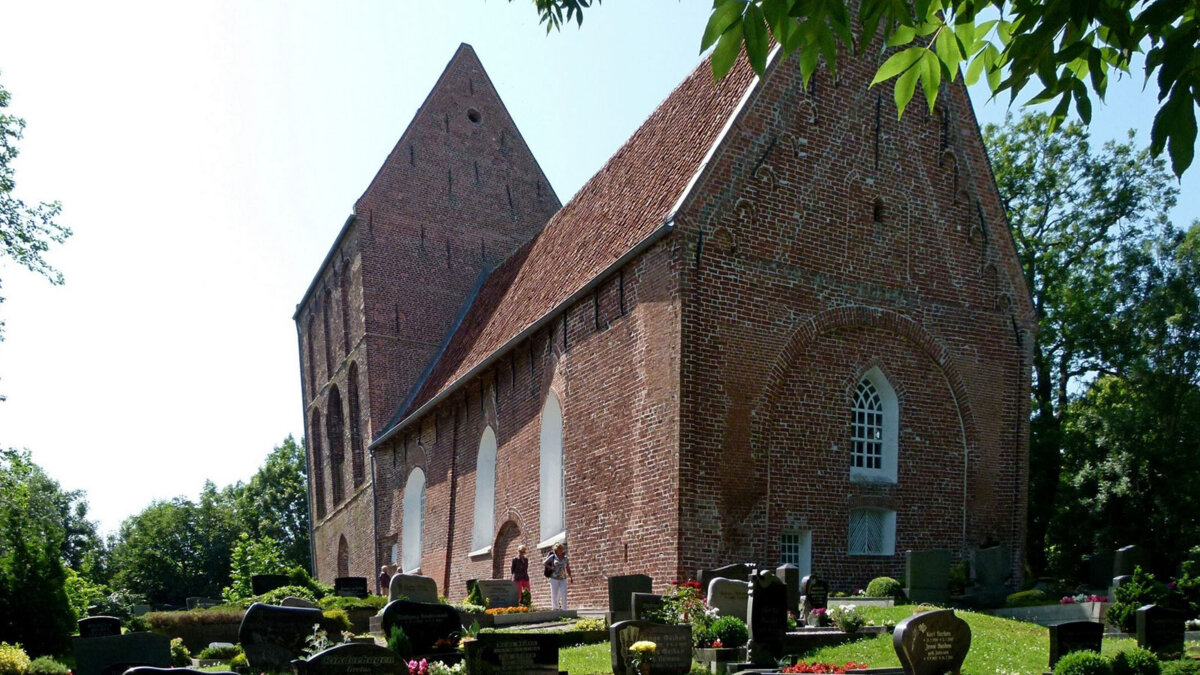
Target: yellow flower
x=642 y=647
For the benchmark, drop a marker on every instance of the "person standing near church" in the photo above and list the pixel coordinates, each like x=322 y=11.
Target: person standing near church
x=520 y=569
x=385 y=580
x=559 y=571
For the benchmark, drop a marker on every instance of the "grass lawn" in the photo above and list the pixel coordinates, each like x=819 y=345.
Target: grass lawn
x=585 y=659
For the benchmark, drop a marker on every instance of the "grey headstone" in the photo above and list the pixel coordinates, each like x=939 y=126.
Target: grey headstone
x=353 y=659
x=933 y=643
x=431 y=628
x=674 y=653
x=991 y=570
x=99 y=626
x=927 y=576
x=200 y=602
x=1129 y=558
x=115 y=654
x=1100 y=568
x=499 y=592
x=413 y=587
x=513 y=654
x=293 y=601
x=767 y=618
x=139 y=610
x=350 y=587
x=272 y=636
x=1161 y=630
x=729 y=597
x=739 y=571
x=620 y=607
x=645 y=606
x=1074 y=636
x=265 y=583
x=789 y=574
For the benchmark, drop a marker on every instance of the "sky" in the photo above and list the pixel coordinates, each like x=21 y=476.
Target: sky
x=206 y=155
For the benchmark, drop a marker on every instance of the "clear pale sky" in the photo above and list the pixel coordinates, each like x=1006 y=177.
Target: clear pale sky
x=207 y=153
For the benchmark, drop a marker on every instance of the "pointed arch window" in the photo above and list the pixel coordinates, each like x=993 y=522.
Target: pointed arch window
x=312 y=367
x=337 y=444
x=345 y=303
x=343 y=557
x=874 y=430
x=318 y=464
x=552 y=492
x=485 y=494
x=326 y=308
x=414 y=521
x=357 y=461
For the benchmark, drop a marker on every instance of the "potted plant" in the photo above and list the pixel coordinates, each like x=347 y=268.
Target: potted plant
x=641 y=655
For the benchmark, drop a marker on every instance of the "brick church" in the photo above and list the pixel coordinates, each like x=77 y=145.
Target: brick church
x=779 y=325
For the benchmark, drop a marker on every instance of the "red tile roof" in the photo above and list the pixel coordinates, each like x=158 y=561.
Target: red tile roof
x=625 y=202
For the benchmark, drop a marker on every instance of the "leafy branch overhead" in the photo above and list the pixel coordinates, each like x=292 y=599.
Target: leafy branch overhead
x=1069 y=49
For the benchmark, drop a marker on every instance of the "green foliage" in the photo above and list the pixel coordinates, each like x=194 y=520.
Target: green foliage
x=1141 y=589
x=730 y=630
x=849 y=618
x=274 y=504
x=13 y=659
x=82 y=593
x=299 y=576
x=1082 y=663
x=250 y=557
x=591 y=624
x=885 y=587
x=180 y=656
x=169 y=623
x=526 y=597
x=1135 y=662
x=1030 y=598
x=375 y=602
x=45 y=665
x=239 y=661
x=223 y=653
x=336 y=620
x=475 y=597
x=1181 y=667
x=398 y=642
x=958 y=577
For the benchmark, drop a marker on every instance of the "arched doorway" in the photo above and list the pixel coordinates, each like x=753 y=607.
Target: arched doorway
x=505 y=549
x=343 y=557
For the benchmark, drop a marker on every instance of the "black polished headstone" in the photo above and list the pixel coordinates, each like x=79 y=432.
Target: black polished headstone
x=1074 y=636
x=815 y=591
x=350 y=587
x=99 y=626
x=768 y=613
x=265 y=583
x=272 y=636
x=114 y=654
x=646 y=606
x=431 y=628
x=789 y=574
x=1129 y=558
x=620 y=588
x=513 y=654
x=933 y=643
x=672 y=657
x=1161 y=630
x=739 y=571
x=1100 y=569
x=353 y=659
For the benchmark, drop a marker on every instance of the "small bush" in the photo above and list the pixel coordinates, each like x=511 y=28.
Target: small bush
x=375 y=602
x=399 y=642
x=590 y=624
x=1181 y=667
x=958 y=578
x=336 y=620
x=1030 y=598
x=276 y=596
x=298 y=576
x=44 y=665
x=475 y=597
x=1136 y=661
x=848 y=618
x=239 y=661
x=13 y=660
x=180 y=656
x=730 y=630
x=885 y=587
x=224 y=653
x=1082 y=663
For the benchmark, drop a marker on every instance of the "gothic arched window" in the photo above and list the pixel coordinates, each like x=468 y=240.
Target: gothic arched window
x=485 y=492
x=874 y=430
x=553 y=490
x=414 y=521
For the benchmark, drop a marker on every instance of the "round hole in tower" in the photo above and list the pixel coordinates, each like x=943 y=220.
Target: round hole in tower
x=474 y=115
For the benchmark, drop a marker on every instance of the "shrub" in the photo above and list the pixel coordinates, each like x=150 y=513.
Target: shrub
x=44 y=665
x=1030 y=598
x=1136 y=661
x=1181 y=667
x=475 y=597
x=375 y=602
x=13 y=660
x=239 y=661
x=885 y=587
x=848 y=618
x=1082 y=663
x=298 y=576
x=1142 y=589
x=223 y=653
x=399 y=642
x=336 y=620
x=526 y=598
x=180 y=656
x=730 y=630
x=276 y=596
x=167 y=623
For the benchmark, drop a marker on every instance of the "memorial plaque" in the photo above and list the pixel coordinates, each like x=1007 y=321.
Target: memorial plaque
x=272 y=636
x=499 y=592
x=729 y=597
x=265 y=583
x=620 y=606
x=99 y=626
x=789 y=574
x=767 y=617
x=513 y=654
x=927 y=576
x=739 y=571
x=646 y=606
x=1074 y=636
x=114 y=654
x=413 y=587
x=431 y=628
x=1161 y=630
x=674 y=653
x=353 y=659
x=933 y=643
x=1129 y=558
x=350 y=587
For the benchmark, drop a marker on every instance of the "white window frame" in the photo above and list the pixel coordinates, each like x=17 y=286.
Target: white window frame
x=485 y=495
x=552 y=483
x=888 y=435
x=795 y=548
x=883 y=520
x=413 y=527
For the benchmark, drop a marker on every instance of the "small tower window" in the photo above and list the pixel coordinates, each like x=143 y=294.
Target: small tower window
x=877 y=211
x=474 y=116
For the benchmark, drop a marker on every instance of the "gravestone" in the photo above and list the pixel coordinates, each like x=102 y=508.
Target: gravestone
x=933 y=643
x=991 y=568
x=674 y=653
x=768 y=615
x=114 y=654
x=789 y=574
x=729 y=597
x=353 y=659
x=1100 y=568
x=1161 y=630
x=1074 y=636
x=265 y=583
x=513 y=654
x=739 y=571
x=1128 y=558
x=499 y=592
x=293 y=601
x=413 y=587
x=814 y=595
x=620 y=608
x=1120 y=581
x=646 y=606
x=350 y=587
x=139 y=610
x=927 y=576
x=99 y=626
x=272 y=636
x=431 y=628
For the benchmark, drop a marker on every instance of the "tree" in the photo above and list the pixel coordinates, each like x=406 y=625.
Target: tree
x=26 y=232
x=1069 y=48
x=274 y=503
x=34 y=609
x=1075 y=212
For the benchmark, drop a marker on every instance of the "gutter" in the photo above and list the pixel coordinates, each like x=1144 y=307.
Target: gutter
x=666 y=228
